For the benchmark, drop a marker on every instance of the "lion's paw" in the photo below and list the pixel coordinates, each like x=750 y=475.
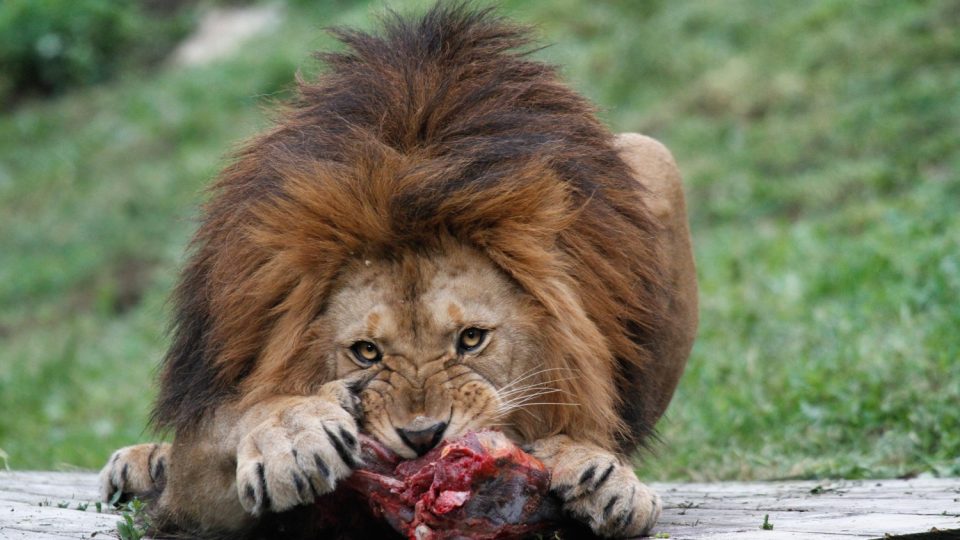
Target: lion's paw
x=135 y=470
x=613 y=502
x=598 y=489
x=296 y=455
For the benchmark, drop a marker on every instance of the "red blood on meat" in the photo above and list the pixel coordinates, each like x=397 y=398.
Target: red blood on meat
x=479 y=487
x=448 y=500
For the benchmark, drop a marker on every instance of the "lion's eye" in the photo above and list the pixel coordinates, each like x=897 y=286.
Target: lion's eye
x=471 y=339
x=366 y=353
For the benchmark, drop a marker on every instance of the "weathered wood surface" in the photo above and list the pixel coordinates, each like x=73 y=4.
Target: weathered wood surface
x=44 y=505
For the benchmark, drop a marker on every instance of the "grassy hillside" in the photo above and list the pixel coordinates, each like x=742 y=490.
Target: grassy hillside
x=819 y=141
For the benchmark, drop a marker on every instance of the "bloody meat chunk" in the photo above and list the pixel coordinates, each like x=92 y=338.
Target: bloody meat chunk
x=478 y=487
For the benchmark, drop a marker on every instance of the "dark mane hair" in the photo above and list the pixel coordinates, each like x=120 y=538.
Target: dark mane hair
x=442 y=126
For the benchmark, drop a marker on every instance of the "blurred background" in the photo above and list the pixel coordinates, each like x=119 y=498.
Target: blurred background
x=819 y=141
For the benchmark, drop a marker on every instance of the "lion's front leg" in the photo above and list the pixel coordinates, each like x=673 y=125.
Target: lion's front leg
x=241 y=462
x=598 y=488
x=297 y=449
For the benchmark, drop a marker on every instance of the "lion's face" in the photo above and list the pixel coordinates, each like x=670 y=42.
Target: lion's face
x=436 y=344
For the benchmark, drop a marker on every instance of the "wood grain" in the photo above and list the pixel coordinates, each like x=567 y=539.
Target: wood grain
x=30 y=508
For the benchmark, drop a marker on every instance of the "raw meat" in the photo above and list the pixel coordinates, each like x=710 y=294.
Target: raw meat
x=478 y=487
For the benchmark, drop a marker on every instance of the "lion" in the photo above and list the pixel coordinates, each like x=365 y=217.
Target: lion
x=437 y=236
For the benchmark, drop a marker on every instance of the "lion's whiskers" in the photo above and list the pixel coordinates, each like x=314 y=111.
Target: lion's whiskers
x=526 y=397
x=521 y=393
x=532 y=373
x=522 y=397
x=506 y=396
x=524 y=390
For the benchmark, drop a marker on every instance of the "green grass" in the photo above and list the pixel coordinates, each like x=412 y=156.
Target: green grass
x=819 y=142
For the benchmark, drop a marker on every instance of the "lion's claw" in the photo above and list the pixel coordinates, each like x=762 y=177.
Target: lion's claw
x=597 y=489
x=296 y=455
x=134 y=470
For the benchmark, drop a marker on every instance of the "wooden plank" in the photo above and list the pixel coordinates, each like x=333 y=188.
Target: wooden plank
x=20 y=520
x=858 y=509
x=30 y=508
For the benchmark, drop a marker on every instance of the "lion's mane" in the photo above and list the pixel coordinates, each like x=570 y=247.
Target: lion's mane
x=441 y=127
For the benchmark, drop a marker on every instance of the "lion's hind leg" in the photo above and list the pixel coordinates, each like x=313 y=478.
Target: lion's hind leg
x=135 y=471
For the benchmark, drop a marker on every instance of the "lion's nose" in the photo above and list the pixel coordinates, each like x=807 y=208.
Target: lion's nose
x=421 y=439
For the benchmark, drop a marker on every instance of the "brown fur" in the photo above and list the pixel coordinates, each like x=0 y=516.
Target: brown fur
x=437 y=155
x=438 y=128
